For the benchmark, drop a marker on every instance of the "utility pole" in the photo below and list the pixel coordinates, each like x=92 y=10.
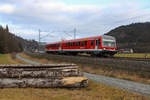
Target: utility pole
x=39 y=35
x=75 y=33
x=39 y=40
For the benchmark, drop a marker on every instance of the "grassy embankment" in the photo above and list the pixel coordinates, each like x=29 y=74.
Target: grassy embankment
x=107 y=69
x=134 y=55
x=9 y=59
x=93 y=92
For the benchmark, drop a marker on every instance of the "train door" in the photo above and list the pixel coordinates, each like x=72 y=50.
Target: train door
x=92 y=44
x=99 y=43
x=60 y=47
x=96 y=44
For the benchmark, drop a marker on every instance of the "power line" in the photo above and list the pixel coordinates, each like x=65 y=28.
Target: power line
x=39 y=35
x=75 y=33
x=109 y=27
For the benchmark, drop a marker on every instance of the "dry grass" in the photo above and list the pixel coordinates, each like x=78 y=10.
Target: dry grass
x=93 y=92
x=117 y=74
x=42 y=60
x=134 y=55
x=45 y=61
x=8 y=59
x=99 y=70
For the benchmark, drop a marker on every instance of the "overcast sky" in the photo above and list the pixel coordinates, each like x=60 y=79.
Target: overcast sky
x=58 y=18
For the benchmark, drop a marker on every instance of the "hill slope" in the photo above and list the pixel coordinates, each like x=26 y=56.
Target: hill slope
x=135 y=36
x=11 y=43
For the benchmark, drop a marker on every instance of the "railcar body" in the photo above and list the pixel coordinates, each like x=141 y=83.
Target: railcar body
x=100 y=45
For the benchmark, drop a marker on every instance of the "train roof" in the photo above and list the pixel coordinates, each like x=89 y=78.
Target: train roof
x=80 y=39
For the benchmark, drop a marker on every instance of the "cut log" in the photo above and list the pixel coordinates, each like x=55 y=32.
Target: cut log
x=42 y=76
x=42 y=82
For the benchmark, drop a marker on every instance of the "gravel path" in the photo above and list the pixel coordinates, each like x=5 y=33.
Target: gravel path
x=136 y=87
x=27 y=61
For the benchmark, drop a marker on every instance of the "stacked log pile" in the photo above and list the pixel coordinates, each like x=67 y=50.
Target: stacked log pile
x=41 y=76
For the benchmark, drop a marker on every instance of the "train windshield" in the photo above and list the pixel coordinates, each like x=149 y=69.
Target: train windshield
x=109 y=42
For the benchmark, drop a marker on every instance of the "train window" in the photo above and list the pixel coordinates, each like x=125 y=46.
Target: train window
x=99 y=42
x=68 y=44
x=53 y=45
x=85 y=43
x=76 y=43
x=92 y=42
x=82 y=43
x=96 y=42
x=71 y=43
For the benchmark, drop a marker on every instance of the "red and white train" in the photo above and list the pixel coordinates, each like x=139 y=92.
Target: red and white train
x=100 y=45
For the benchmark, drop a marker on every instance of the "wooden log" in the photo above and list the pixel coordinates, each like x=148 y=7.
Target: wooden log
x=38 y=66
x=41 y=76
x=34 y=73
x=42 y=83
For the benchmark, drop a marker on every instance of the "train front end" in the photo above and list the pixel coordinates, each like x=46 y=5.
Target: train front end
x=109 y=47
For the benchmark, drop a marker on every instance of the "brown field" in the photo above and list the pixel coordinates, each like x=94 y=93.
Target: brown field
x=9 y=59
x=94 y=91
x=118 y=74
x=103 y=69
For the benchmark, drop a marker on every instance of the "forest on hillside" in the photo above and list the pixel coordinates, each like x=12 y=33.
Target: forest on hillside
x=135 y=36
x=11 y=43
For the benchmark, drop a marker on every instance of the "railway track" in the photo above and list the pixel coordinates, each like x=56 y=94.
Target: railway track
x=109 y=58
